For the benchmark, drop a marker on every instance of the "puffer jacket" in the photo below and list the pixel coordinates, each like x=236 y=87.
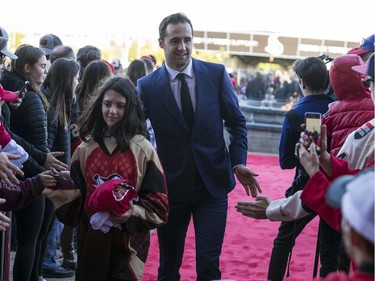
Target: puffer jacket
x=29 y=120
x=354 y=105
x=58 y=137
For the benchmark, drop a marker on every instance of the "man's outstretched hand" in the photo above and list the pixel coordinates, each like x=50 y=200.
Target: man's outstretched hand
x=248 y=179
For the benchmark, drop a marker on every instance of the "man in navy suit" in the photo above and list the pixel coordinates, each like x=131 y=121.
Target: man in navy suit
x=198 y=166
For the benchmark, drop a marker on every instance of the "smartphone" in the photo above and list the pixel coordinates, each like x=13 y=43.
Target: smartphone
x=20 y=92
x=16 y=163
x=313 y=122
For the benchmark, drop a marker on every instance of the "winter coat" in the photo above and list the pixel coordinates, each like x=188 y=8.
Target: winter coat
x=18 y=196
x=354 y=105
x=37 y=156
x=29 y=121
x=58 y=137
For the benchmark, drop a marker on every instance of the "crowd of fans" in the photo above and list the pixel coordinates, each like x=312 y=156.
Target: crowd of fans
x=42 y=126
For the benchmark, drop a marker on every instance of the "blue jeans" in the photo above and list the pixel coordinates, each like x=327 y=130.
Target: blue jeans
x=53 y=238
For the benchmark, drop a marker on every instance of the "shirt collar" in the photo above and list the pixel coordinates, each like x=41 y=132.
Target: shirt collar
x=188 y=70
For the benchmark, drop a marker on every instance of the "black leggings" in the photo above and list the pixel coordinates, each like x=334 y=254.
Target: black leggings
x=32 y=226
x=49 y=215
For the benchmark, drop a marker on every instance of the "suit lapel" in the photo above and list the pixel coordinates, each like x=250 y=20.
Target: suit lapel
x=164 y=92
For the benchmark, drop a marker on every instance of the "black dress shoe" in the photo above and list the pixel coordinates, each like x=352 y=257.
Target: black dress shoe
x=57 y=272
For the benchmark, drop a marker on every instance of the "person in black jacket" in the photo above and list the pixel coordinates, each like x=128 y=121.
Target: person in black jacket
x=28 y=127
x=15 y=194
x=58 y=87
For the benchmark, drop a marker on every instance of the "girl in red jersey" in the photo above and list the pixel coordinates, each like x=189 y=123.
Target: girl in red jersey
x=115 y=146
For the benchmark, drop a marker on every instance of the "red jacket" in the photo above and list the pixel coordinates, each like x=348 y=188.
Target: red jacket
x=354 y=105
x=313 y=195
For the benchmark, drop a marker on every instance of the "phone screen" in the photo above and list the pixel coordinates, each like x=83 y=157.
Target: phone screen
x=313 y=122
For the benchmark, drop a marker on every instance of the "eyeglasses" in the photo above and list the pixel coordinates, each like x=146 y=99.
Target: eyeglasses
x=367 y=81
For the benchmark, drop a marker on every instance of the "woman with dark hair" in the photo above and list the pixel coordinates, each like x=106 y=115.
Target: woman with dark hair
x=58 y=87
x=136 y=70
x=95 y=73
x=28 y=127
x=113 y=245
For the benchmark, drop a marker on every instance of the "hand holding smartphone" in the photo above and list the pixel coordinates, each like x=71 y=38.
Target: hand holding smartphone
x=313 y=122
x=21 y=93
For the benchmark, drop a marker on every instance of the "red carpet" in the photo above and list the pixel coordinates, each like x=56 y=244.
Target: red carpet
x=248 y=242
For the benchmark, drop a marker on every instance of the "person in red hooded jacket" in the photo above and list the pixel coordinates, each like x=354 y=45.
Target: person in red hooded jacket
x=353 y=108
x=354 y=105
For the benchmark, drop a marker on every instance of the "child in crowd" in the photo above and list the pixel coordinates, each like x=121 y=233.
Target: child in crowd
x=114 y=146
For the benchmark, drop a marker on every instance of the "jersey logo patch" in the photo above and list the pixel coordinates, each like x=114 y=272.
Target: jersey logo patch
x=363 y=131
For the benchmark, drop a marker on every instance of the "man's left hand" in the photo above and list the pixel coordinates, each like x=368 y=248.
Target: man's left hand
x=248 y=179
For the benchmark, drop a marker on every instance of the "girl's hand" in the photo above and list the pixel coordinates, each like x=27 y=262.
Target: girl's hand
x=48 y=179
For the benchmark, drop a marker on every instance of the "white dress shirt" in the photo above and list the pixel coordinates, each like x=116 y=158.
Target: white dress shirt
x=176 y=83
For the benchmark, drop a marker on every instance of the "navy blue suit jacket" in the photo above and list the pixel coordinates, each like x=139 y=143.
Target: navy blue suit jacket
x=205 y=147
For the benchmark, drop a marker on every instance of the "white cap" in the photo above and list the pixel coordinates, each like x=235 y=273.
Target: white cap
x=357 y=204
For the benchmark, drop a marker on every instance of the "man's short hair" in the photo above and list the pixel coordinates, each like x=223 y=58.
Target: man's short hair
x=173 y=19
x=313 y=72
x=62 y=52
x=87 y=54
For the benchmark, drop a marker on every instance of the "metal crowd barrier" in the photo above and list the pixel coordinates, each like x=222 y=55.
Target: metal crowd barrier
x=5 y=251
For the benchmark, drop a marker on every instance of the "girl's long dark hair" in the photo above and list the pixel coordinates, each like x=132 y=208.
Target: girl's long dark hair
x=136 y=69
x=92 y=124
x=95 y=74
x=59 y=80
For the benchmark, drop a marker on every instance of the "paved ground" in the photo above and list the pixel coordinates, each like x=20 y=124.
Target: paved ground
x=12 y=254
